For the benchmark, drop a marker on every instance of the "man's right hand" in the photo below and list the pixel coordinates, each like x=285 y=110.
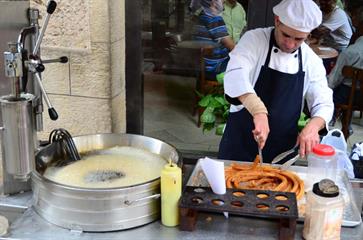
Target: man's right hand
x=262 y=129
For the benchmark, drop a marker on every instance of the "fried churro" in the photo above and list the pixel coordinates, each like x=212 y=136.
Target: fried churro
x=255 y=176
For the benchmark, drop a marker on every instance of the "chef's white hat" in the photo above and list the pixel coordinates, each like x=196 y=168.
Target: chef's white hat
x=301 y=15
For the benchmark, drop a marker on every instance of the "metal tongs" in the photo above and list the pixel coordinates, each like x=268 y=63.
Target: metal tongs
x=260 y=154
x=283 y=155
x=259 y=150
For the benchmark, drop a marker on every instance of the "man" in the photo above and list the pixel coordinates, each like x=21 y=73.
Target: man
x=352 y=56
x=335 y=30
x=270 y=73
x=235 y=18
x=211 y=29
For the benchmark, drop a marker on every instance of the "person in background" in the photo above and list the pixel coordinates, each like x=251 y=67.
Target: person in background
x=210 y=28
x=270 y=73
x=352 y=56
x=235 y=18
x=340 y=4
x=335 y=30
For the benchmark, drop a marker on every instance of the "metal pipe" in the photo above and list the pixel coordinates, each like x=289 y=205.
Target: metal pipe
x=38 y=103
x=21 y=38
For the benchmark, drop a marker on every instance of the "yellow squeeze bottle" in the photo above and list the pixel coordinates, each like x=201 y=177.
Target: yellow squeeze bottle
x=170 y=193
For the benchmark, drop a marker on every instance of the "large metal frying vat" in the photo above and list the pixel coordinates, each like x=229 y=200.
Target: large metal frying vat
x=105 y=209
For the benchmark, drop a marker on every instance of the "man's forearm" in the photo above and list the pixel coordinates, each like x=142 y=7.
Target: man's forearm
x=316 y=123
x=253 y=103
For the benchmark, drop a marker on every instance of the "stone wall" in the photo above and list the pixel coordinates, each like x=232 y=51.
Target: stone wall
x=89 y=91
x=118 y=96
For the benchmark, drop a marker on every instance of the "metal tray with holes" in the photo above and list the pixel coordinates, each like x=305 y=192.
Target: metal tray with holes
x=255 y=203
x=351 y=216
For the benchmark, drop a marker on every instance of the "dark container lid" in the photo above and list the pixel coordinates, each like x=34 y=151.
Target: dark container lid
x=326 y=188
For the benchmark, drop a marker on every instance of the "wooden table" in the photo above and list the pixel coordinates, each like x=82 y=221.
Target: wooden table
x=327 y=54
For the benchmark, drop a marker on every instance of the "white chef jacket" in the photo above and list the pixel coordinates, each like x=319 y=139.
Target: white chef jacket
x=249 y=55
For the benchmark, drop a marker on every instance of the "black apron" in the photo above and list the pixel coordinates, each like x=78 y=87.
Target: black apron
x=282 y=94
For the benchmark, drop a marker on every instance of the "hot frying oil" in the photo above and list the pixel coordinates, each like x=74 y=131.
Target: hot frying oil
x=109 y=168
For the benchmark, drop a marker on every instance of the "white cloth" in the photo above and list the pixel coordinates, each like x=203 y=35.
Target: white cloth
x=301 y=15
x=351 y=56
x=341 y=30
x=249 y=55
x=357 y=151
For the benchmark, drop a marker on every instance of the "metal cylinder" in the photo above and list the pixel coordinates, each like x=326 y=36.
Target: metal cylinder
x=18 y=135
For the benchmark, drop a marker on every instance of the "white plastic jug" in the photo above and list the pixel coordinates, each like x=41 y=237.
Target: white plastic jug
x=322 y=164
x=335 y=138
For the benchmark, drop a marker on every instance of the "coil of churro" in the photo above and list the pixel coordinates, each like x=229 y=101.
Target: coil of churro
x=255 y=176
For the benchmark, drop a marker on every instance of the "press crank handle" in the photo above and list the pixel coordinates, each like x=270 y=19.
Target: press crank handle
x=50 y=10
x=62 y=59
x=51 y=111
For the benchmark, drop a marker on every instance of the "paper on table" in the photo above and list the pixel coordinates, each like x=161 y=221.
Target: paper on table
x=214 y=171
x=324 y=48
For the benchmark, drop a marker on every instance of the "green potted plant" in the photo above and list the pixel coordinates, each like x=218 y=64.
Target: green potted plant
x=216 y=108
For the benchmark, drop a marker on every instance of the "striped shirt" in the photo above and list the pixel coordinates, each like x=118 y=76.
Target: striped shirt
x=212 y=29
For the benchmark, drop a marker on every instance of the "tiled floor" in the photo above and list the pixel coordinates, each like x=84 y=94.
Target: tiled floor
x=168 y=104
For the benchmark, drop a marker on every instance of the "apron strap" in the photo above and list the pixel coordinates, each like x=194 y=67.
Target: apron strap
x=300 y=60
x=267 y=61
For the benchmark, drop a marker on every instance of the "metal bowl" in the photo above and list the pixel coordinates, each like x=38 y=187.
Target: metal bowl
x=102 y=209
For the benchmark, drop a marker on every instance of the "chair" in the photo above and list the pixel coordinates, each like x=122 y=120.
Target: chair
x=356 y=74
x=204 y=85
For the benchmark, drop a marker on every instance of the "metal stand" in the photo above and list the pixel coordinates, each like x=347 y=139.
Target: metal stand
x=22 y=109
